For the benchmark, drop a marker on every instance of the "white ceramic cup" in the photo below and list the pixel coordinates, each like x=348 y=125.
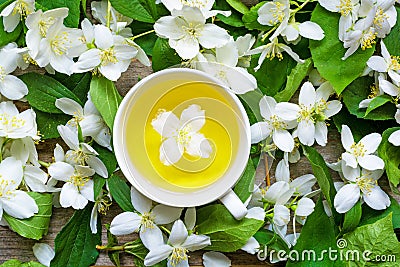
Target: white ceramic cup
x=222 y=188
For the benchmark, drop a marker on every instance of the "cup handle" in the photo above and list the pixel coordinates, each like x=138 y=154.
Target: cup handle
x=235 y=206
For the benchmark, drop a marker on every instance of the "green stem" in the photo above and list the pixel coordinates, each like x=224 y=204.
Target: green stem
x=141 y=34
x=268 y=33
x=165 y=229
x=44 y=164
x=301 y=6
x=108 y=14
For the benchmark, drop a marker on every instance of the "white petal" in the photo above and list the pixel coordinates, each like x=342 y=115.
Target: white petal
x=349 y=159
x=178 y=234
x=377 y=63
x=61 y=171
x=333 y=107
x=303 y=184
x=158 y=254
x=69 y=106
x=196 y=242
x=227 y=54
x=278 y=191
x=190 y=218
x=198 y=146
x=394 y=138
x=350 y=173
x=103 y=37
x=282 y=172
x=87 y=190
x=151 y=237
x=306 y=132
x=12 y=172
x=13 y=88
x=186 y=47
x=170 y=151
x=166 y=124
x=281 y=215
x=111 y=71
x=87 y=61
x=125 y=223
x=256 y=213
x=331 y=5
x=11 y=22
x=259 y=131
x=347 y=137
x=70 y=197
x=20 y=205
x=283 y=140
x=70 y=137
x=35 y=178
x=44 y=253
x=321 y=133
x=371 y=162
x=305 y=207
x=376 y=198
x=94 y=219
x=267 y=106
x=240 y=81
x=311 y=30
x=287 y=111
x=213 y=36
x=252 y=246
x=346 y=198
x=141 y=203
x=389 y=88
x=194 y=116
x=96 y=164
x=371 y=142
x=170 y=27
x=307 y=95
x=165 y=214
x=215 y=259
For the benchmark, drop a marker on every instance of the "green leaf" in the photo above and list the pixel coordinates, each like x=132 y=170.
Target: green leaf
x=370 y=215
x=327 y=54
x=250 y=18
x=47 y=123
x=99 y=183
x=112 y=240
x=134 y=9
x=392 y=39
x=107 y=157
x=4 y=3
x=75 y=245
x=245 y=186
x=163 y=55
x=17 y=263
x=74 y=12
x=120 y=192
x=226 y=233
x=352 y=218
x=358 y=91
x=106 y=98
x=322 y=175
x=78 y=83
x=250 y=101
x=377 y=239
x=8 y=37
x=294 y=80
x=318 y=234
x=238 y=5
x=391 y=156
x=44 y=91
x=270 y=240
x=35 y=227
x=377 y=102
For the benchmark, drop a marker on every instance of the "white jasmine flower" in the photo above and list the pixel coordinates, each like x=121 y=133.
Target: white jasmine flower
x=243 y=45
x=311 y=113
x=176 y=248
x=43 y=253
x=14 y=12
x=272 y=50
x=361 y=35
x=279 y=193
x=186 y=30
x=223 y=67
x=15 y=203
x=383 y=12
x=16 y=125
x=58 y=48
x=10 y=86
x=215 y=259
x=204 y=5
x=182 y=134
x=348 y=10
x=386 y=63
x=78 y=187
x=23 y=149
x=38 y=23
x=361 y=152
x=81 y=153
x=88 y=118
x=109 y=54
x=274 y=12
x=273 y=125
x=145 y=220
x=305 y=207
x=363 y=184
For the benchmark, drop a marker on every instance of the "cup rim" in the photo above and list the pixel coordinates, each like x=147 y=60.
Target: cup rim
x=196 y=198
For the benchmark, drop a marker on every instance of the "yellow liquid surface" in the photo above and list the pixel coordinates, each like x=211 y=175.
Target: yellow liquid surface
x=221 y=129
